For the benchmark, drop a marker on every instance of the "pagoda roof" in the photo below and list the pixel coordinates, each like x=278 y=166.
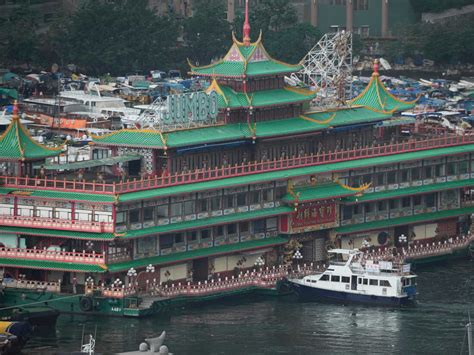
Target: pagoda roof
x=377 y=98
x=16 y=143
x=309 y=122
x=229 y=98
x=245 y=60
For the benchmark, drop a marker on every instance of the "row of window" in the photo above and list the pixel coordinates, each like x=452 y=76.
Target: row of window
x=360 y=281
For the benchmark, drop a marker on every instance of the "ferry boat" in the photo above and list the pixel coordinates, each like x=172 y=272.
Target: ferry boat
x=350 y=278
x=234 y=179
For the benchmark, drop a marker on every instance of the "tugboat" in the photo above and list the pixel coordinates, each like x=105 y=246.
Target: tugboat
x=350 y=278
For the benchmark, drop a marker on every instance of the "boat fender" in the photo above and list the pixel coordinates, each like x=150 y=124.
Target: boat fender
x=86 y=304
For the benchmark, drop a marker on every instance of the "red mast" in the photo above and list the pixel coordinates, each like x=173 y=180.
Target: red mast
x=246 y=31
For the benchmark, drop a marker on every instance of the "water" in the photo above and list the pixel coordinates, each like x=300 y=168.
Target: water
x=282 y=326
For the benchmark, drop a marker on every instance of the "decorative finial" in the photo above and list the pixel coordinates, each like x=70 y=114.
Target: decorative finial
x=246 y=31
x=15 y=110
x=376 y=66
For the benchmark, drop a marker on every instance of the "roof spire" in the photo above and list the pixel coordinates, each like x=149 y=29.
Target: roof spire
x=246 y=31
x=15 y=110
x=376 y=67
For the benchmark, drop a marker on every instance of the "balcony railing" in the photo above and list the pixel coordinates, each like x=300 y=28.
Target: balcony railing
x=49 y=286
x=209 y=174
x=53 y=223
x=52 y=255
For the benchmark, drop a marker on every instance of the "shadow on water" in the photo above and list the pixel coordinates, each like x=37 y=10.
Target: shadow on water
x=259 y=325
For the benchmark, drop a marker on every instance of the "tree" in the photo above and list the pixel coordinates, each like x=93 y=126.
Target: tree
x=117 y=37
x=207 y=33
x=21 y=42
x=284 y=37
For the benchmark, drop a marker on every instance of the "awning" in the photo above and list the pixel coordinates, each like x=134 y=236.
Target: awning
x=88 y=163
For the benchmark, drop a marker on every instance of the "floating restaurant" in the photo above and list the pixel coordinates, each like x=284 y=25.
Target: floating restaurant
x=192 y=207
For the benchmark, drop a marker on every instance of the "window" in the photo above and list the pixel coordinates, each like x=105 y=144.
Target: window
x=120 y=217
x=324 y=278
x=365 y=281
x=391 y=178
x=205 y=233
x=216 y=203
x=428 y=172
x=272 y=224
x=242 y=199
x=380 y=179
x=258 y=226
x=463 y=167
x=346 y=212
x=244 y=227
x=345 y=279
x=439 y=170
x=177 y=209
x=384 y=283
x=359 y=281
x=134 y=216
x=218 y=231
x=368 y=208
x=178 y=238
x=189 y=207
x=393 y=204
x=335 y=278
x=254 y=197
x=415 y=174
x=417 y=200
x=162 y=211
x=280 y=192
x=374 y=282
x=406 y=202
x=231 y=229
x=229 y=201
x=166 y=241
x=430 y=200
x=267 y=195
x=148 y=213
x=451 y=168
x=202 y=205
x=382 y=205
x=361 y=5
x=404 y=175
x=192 y=236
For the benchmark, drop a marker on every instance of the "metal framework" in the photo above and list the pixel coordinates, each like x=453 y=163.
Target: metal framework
x=328 y=67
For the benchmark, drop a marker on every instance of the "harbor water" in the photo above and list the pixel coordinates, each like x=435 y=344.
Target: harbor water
x=435 y=325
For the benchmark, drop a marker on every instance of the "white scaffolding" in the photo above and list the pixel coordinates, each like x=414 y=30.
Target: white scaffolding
x=328 y=68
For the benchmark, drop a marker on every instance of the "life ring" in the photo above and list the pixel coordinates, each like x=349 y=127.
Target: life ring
x=86 y=304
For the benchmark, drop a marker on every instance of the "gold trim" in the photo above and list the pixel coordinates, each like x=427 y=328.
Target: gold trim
x=319 y=122
x=354 y=189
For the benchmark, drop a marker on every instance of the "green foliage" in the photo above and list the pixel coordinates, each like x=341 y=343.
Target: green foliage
x=117 y=38
x=207 y=32
x=445 y=43
x=438 y=5
x=284 y=38
x=21 y=42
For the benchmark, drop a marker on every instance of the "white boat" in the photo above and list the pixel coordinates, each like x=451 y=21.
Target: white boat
x=351 y=278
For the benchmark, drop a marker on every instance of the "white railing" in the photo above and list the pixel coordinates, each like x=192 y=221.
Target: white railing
x=55 y=223
x=52 y=255
x=49 y=286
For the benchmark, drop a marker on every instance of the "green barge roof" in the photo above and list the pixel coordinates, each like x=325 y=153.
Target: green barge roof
x=417 y=218
x=57 y=195
x=51 y=265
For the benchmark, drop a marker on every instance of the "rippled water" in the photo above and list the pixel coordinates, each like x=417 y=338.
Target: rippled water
x=283 y=326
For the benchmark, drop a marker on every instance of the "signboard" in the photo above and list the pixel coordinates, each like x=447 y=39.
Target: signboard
x=314 y=214
x=385 y=265
x=371 y=267
x=195 y=107
x=406 y=268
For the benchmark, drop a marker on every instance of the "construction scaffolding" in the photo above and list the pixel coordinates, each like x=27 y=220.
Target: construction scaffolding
x=328 y=68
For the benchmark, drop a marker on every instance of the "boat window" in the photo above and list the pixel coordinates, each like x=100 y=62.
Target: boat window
x=360 y=281
x=374 y=282
x=335 y=278
x=324 y=278
x=384 y=283
x=366 y=281
x=345 y=279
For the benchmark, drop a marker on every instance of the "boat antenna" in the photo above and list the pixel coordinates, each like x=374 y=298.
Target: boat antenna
x=469 y=335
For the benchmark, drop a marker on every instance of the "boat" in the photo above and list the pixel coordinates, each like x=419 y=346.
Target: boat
x=351 y=278
x=34 y=315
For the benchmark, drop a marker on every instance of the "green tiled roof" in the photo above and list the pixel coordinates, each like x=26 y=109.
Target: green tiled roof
x=198 y=253
x=263 y=98
x=377 y=97
x=198 y=223
x=17 y=144
x=310 y=122
x=408 y=191
x=50 y=265
x=57 y=233
x=60 y=195
x=417 y=218
x=241 y=61
x=319 y=192
x=290 y=173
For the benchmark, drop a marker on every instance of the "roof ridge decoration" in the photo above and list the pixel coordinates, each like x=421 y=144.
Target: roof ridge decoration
x=317 y=121
x=377 y=98
x=359 y=190
x=16 y=142
x=216 y=87
x=246 y=28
